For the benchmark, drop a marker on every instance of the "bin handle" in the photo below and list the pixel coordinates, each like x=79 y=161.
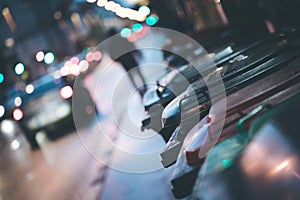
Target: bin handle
x=202 y=91
x=253 y=113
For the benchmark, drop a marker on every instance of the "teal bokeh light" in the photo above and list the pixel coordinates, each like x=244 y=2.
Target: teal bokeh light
x=152 y=20
x=19 y=68
x=137 y=27
x=1 y=78
x=126 y=32
x=49 y=58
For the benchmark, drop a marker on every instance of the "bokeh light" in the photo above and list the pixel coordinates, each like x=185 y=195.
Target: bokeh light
x=100 y=3
x=7 y=127
x=152 y=20
x=66 y=92
x=57 y=15
x=144 y=10
x=29 y=89
x=49 y=58
x=126 y=32
x=97 y=55
x=84 y=65
x=75 y=70
x=9 y=42
x=18 y=114
x=64 y=71
x=89 y=57
x=19 y=68
x=18 y=101
x=25 y=75
x=1 y=78
x=57 y=74
x=15 y=144
x=137 y=27
x=2 y=111
x=39 y=56
x=75 y=60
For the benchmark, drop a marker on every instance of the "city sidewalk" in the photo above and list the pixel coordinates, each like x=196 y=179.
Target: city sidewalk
x=110 y=159
x=129 y=174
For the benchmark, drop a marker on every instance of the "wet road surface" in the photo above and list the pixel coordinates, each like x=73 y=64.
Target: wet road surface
x=92 y=163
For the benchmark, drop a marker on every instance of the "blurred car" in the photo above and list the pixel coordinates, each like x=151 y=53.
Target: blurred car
x=46 y=105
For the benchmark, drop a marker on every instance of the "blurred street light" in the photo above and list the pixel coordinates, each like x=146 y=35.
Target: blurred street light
x=7 y=127
x=18 y=114
x=18 y=101
x=144 y=10
x=125 y=32
x=2 y=111
x=39 y=56
x=57 y=15
x=121 y=11
x=137 y=27
x=9 y=42
x=1 y=78
x=152 y=20
x=19 y=68
x=49 y=58
x=29 y=89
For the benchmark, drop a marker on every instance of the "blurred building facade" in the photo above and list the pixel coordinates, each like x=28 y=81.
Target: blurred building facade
x=66 y=27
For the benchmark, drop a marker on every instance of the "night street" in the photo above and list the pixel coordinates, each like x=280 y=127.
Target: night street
x=149 y=100
x=67 y=168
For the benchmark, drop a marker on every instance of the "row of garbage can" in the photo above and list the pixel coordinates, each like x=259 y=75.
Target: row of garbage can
x=231 y=122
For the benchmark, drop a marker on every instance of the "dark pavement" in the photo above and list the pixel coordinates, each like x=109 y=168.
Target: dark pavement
x=88 y=163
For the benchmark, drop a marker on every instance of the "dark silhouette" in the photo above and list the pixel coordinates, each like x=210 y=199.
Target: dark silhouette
x=116 y=48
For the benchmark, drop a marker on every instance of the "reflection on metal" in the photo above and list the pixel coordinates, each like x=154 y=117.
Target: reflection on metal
x=285 y=165
x=221 y=11
x=257 y=161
